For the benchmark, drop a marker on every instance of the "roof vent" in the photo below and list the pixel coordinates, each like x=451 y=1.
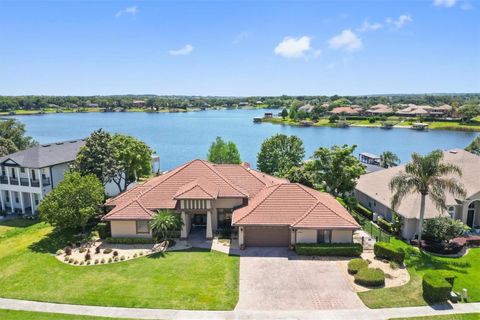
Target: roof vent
x=59 y=143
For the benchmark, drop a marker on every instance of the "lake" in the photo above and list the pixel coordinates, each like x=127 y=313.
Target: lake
x=180 y=137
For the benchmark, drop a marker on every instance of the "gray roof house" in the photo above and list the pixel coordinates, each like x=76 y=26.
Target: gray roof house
x=373 y=192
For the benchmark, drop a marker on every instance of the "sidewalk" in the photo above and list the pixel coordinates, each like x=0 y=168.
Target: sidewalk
x=165 y=314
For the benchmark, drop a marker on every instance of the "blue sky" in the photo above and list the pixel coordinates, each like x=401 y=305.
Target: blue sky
x=239 y=47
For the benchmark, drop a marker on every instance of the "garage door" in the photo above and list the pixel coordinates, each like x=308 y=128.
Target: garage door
x=267 y=236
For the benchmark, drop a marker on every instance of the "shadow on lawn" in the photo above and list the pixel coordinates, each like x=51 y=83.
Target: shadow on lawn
x=52 y=242
x=422 y=261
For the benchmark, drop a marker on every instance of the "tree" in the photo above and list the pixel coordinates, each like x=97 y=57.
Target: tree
x=223 y=152
x=443 y=229
x=302 y=115
x=73 y=202
x=164 y=222
x=333 y=118
x=300 y=175
x=469 y=111
x=284 y=113
x=133 y=159
x=14 y=130
x=474 y=147
x=279 y=153
x=293 y=113
x=335 y=169
x=389 y=159
x=97 y=157
x=428 y=176
x=7 y=146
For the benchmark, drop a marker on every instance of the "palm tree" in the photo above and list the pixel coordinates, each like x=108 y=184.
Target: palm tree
x=430 y=177
x=164 y=222
x=389 y=159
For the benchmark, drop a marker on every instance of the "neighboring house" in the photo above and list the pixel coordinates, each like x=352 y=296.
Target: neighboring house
x=266 y=211
x=413 y=110
x=379 y=109
x=370 y=161
x=307 y=108
x=351 y=111
x=27 y=176
x=139 y=103
x=373 y=192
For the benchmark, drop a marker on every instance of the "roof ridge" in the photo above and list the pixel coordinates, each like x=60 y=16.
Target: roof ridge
x=306 y=213
x=211 y=167
x=195 y=183
x=273 y=188
x=329 y=208
x=307 y=190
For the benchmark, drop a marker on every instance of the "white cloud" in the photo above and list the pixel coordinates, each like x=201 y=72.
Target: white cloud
x=400 y=22
x=346 y=40
x=367 y=26
x=187 y=49
x=466 y=6
x=129 y=10
x=444 y=3
x=291 y=47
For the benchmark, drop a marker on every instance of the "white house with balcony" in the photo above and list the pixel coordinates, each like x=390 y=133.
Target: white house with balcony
x=27 y=176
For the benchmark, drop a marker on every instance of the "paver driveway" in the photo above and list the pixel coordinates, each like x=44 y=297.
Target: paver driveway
x=278 y=279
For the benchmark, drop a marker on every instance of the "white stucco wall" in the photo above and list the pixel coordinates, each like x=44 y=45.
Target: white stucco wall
x=58 y=171
x=306 y=236
x=342 y=236
x=126 y=228
x=409 y=228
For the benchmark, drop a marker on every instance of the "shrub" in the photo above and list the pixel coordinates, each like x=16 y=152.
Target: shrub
x=437 y=285
x=330 y=249
x=355 y=265
x=82 y=250
x=364 y=211
x=370 y=277
x=115 y=259
x=388 y=251
x=130 y=240
x=141 y=253
x=102 y=229
x=135 y=255
x=442 y=229
x=96 y=261
x=385 y=225
x=394 y=265
x=70 y=260
x=81 y=263
x=110 y=260
x=107 y=251
x=122 y=258
x=65 y=259
x=115 y=253
x=59 y=252
x=68 y=250
x=102 y=261
x=88 y=256
x=88 y=263
x=75 y=262
x=97 y=250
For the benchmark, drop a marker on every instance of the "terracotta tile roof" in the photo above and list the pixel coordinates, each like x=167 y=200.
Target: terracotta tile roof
x=294 y=205
x=197 y=178
x=346 y=110
x=198 y=189
x=130 y=211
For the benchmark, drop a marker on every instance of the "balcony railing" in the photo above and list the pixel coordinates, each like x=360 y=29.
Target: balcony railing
x=46 y=181
x=14 y=181
x=3 y=179
x=24 y=182
x=35 y=183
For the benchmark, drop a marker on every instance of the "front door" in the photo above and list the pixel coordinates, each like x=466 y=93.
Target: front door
x=470 y=215
x=199 y=220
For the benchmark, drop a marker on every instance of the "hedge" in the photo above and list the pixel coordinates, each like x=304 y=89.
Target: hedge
x=102 y=229
x=385 y=225
x=437 y=285
x=364 y=211
x=388 y=251
x=130 y=240
x=329 y=249
x=356 y=264
x=370 y=277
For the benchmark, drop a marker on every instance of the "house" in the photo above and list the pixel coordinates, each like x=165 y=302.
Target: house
x=441 y=111
x=351 y=111
x=28 y=175
x=139 y=103
x=379 y=109
x=370 y=161
x=413 y=110
x=265 y=210
x=307 y=108
x=373 y=192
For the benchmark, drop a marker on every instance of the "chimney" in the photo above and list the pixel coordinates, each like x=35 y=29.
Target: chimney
x=246 y=165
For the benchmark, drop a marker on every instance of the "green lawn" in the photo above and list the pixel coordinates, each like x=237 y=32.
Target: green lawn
x=10 y=227
x=466 y=269
x=461 y=316
x=27 y=315
x=195 y=279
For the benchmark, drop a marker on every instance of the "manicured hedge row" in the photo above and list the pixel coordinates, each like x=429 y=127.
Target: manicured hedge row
x=385 y=225
x=364 y=211
x=329 y=249
x=103 y=230
x=356 y=264
x=130 y=240
x=388 y=251
x=370 y=277
x=437 y=286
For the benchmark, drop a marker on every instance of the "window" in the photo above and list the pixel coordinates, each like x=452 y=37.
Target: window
x=142 y=227
x=22 y=170
x=451 y=212
x=324 y=236
x=33 y=175
x=224 y=218
x=16 y=198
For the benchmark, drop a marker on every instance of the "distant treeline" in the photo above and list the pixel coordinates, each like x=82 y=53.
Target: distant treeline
x=125 y=102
